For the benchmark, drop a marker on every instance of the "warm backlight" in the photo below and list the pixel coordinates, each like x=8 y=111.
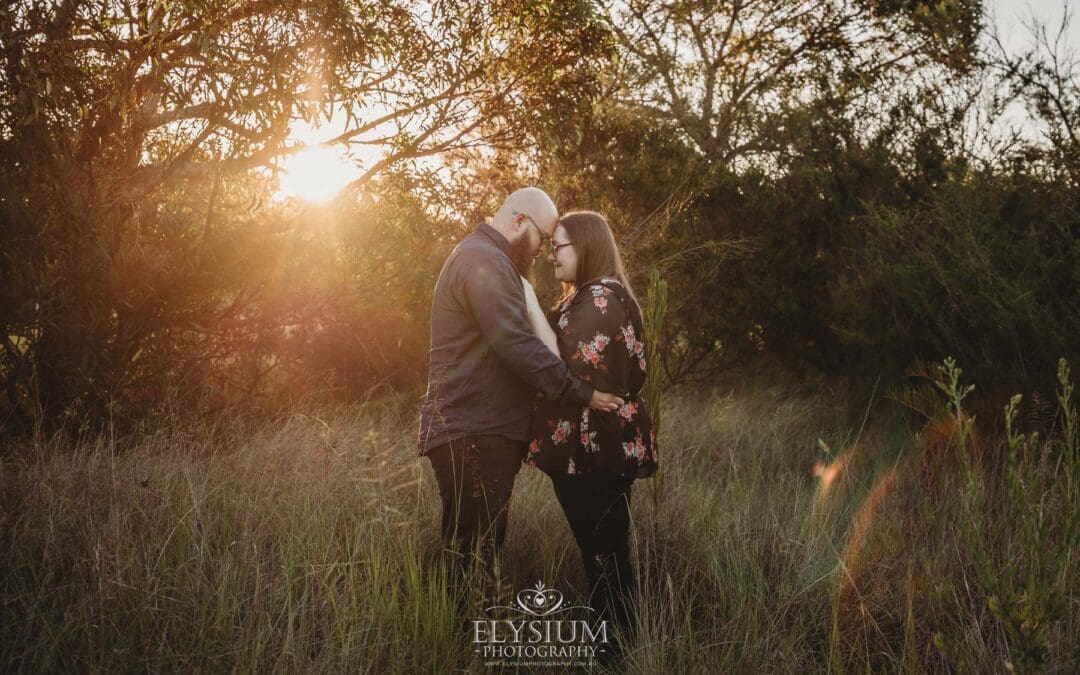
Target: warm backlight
x=316 y=174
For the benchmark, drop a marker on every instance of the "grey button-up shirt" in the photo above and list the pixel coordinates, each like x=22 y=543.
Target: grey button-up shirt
x=486 y=363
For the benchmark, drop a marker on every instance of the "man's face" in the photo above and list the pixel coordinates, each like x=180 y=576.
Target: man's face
x=522 y=251
x=527 y=245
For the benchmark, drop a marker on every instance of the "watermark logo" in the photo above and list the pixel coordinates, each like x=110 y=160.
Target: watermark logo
x=539 y=629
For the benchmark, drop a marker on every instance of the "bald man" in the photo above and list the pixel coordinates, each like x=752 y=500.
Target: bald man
x=485 y=369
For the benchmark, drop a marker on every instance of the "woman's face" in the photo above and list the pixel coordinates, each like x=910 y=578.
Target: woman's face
x=564 y=258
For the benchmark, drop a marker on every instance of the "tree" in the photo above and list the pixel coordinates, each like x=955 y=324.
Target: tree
x=1045 y=77
x=129 y=131
x=778 y=103
x=729 y=73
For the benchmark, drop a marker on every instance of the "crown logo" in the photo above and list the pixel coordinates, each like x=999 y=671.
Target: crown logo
x=539 y=601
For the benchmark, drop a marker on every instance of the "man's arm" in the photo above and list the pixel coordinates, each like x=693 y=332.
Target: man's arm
x=496 y=298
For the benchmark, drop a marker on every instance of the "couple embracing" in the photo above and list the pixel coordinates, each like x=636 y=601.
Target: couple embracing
x=510 y=384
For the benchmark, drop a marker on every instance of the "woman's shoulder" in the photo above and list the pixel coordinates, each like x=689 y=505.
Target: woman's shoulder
x=596 y=288
x=611 y=283
x=602 y=292
x=597 y=294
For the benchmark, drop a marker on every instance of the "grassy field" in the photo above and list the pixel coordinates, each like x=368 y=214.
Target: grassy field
x=791 y=532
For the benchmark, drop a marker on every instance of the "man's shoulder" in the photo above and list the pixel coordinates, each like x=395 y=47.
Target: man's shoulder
x=477 y=250
x=474 y=246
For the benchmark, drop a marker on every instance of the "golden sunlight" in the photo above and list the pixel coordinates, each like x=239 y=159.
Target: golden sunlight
x=316 y=174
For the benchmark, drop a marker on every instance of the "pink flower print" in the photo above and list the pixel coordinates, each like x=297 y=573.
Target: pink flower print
x=590 y=353
x=641 y=364
x=561 y=432
x=628 y=411
x=570 y=468
x=601 y=304
x=534 y=447
x=635 y=449
x=634 y=346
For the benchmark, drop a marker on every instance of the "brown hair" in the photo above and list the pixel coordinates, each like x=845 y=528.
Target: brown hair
x=597 y=253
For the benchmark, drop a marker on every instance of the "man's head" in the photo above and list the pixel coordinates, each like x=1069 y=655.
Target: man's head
x=526 y=219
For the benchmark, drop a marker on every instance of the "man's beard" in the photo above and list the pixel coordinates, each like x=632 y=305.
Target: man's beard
x=521 y=254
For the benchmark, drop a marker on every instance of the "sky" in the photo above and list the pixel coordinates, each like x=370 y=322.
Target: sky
x=1009 y=15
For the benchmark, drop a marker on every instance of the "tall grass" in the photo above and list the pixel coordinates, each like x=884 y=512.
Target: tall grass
x=309 y=544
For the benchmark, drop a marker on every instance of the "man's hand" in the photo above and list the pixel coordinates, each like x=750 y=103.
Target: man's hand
x=605 y=402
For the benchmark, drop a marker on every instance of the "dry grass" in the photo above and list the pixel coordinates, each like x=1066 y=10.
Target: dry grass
x=306 y=545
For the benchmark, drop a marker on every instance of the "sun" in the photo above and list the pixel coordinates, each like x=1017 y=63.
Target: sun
x=316 y=174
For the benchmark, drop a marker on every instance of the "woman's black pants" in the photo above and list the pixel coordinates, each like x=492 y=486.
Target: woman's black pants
x=597 y=506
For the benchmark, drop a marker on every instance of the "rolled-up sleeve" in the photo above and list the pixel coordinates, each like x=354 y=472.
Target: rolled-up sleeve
x=493 y=292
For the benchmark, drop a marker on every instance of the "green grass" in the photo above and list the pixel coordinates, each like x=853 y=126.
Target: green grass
x=308 y=545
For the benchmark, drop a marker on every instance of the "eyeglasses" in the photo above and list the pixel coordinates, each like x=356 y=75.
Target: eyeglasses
x=543 y=235
x=554 y=248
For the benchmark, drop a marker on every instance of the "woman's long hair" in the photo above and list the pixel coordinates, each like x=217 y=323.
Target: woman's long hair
x=597 y=253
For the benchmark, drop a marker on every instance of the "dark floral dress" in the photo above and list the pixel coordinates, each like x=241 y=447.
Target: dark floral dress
x=601 y=338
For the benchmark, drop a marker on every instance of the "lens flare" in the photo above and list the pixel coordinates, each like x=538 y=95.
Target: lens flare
x=828 y=473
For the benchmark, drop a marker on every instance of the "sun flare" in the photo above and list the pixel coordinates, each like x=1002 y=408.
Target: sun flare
x=316 y=174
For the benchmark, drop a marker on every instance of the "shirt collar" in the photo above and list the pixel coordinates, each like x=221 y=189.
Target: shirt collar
x=495 y=236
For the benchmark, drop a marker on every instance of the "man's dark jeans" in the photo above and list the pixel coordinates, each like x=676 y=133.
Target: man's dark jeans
x=597 y=506
x=476 y=478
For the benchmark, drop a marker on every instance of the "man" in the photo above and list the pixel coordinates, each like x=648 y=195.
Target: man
x=486 y=366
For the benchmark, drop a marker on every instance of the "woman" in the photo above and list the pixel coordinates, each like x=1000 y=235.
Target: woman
x=593 y=457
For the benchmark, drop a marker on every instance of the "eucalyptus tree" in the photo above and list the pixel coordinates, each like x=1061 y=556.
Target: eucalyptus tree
x=136 y=138
x=788 y=112
x=728 y=72
x=1044 y=76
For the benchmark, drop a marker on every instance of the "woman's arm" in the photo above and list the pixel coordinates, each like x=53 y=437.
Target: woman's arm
x=537 y=319
x=596 y=327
